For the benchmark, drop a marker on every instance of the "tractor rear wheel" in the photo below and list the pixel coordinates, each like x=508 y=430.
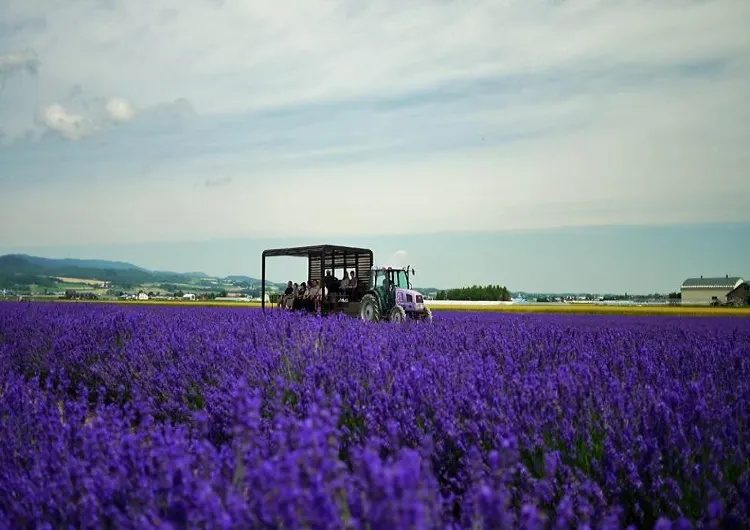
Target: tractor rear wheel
x=369 y=308
x=397 y=314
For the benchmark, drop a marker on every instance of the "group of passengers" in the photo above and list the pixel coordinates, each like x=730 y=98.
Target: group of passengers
x=310 y=295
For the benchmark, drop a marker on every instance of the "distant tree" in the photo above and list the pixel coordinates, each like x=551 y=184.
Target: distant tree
x=476 y=293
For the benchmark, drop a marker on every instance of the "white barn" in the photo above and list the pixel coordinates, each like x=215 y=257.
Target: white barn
x=705 y=291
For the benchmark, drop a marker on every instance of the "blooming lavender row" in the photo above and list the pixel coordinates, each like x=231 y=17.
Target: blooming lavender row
x=167 y=417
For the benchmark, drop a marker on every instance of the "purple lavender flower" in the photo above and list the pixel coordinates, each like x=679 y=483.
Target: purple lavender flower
x=224 y=418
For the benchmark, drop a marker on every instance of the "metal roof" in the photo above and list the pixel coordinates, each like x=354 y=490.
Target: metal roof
x=304 y=252
x=744 y=286
x=728 y=282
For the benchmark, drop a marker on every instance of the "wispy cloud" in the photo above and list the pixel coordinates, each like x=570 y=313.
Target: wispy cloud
x=249 y=55
x=17 y=62
x=418 y=117
x=217 y=182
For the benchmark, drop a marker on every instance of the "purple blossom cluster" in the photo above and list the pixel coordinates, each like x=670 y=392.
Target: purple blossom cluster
x=173 y=417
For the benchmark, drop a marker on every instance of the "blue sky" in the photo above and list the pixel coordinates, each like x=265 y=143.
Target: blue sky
x=182 y=134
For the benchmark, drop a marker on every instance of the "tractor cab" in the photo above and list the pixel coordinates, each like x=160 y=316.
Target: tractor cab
x=384 y=276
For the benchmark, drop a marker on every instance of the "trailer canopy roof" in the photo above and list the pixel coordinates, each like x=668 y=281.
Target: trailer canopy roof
x=314 y=250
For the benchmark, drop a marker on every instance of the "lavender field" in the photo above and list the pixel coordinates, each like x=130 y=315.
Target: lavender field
x=172 y=417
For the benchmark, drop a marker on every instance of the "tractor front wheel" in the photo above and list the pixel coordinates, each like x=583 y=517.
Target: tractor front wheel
x=397 y=314
x=427 y=315
x=369 y=308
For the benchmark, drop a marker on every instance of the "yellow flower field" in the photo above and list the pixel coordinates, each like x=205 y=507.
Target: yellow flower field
x=601 y=309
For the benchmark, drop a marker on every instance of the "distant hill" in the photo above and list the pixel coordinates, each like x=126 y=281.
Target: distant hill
x=21 y=269
x=82 y=263
x=17 y=264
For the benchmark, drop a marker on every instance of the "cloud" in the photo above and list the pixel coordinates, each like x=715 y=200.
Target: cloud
x=80 y=113
x=85 y=114
x=69 y=125
x=119 y=109
x=22 y=60
x=217 y=182
x=17 y=62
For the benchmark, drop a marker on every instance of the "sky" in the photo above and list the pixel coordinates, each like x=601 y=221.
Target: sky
x=560 y=144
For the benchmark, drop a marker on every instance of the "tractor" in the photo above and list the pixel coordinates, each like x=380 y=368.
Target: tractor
x=390 y=297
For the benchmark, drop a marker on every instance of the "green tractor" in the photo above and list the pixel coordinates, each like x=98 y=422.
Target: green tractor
x=390 y=297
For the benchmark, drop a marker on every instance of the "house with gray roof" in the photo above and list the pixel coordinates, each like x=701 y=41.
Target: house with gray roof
x=740 y=295
x=707 y=291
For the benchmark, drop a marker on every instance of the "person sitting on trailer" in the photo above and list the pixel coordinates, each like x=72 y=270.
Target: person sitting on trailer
x=285 y=300
x=299 y=299
x=347 y=286
x=314 y=295
x=352 y=284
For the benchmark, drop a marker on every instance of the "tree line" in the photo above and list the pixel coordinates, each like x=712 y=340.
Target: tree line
x=476 y=293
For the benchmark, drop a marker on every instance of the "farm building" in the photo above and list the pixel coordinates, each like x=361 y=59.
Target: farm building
x=707 y=291
x=740 y=295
